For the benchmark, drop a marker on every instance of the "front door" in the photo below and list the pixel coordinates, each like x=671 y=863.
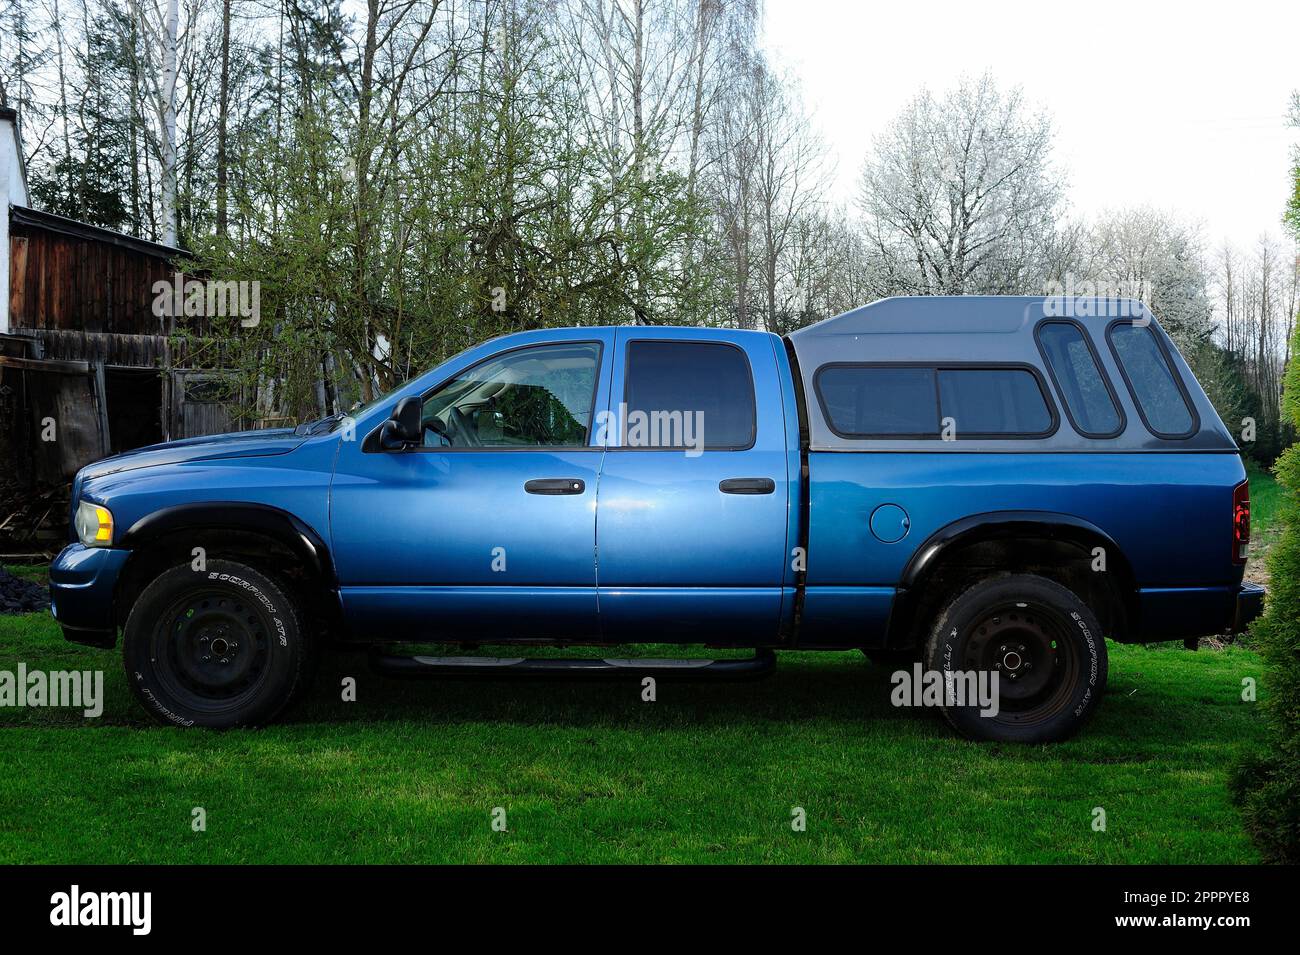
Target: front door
x=694 y=490
x=488 y=529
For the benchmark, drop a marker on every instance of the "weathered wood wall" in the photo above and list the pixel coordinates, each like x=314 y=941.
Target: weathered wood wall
x=62 y=419
x=63 y=281
x=87 y=354
x=135 y=351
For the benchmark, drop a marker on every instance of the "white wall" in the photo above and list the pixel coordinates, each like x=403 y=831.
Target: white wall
x=13 y=191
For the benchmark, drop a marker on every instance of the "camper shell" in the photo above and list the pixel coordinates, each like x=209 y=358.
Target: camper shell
x=994 y=331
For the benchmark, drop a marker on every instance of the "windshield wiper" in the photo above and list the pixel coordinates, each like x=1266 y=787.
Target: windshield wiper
x=321 y=426
x=326 y=425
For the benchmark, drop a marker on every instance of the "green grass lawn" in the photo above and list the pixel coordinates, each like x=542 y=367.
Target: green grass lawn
x=1265 y=498
x=589 y=773
x=1265 y=502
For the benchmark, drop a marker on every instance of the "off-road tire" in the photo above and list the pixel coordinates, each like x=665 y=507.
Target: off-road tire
x=1021 y=619
x=220 y=648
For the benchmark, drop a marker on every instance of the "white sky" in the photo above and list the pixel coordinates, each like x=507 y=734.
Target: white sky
x=1181 y=106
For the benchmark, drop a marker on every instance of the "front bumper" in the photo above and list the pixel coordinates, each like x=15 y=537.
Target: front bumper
x=1250 y=604
x=82 y=581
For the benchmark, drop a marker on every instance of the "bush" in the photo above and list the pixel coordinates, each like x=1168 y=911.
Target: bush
x=1268 y=786
x=1223 y=376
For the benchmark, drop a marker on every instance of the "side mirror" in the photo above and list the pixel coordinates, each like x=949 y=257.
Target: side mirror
x=403 y=429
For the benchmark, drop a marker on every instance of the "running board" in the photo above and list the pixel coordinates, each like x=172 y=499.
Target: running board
x=497 y=668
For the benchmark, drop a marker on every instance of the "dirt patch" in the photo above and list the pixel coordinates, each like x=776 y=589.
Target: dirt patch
x=1257 y=560
x=21 y=596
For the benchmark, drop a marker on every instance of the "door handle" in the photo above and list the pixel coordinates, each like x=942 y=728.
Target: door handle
x=555 y=486
x=747 y=486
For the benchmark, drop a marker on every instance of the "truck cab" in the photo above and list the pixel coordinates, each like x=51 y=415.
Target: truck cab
x=973 y=484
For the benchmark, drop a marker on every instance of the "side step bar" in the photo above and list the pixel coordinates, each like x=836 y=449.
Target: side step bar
x=762 y=663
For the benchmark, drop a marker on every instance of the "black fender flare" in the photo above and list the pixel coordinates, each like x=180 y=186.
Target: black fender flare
x=264 y=519
x=1002 y=525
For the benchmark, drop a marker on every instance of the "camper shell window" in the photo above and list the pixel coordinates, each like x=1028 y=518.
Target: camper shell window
x=1090 y=401
x=1152 y=381
x=929 y=401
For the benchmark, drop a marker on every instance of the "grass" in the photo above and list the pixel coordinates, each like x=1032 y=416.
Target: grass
x=411 y=772
x=1265 y=502
x=38 y=573
x=1265 y=499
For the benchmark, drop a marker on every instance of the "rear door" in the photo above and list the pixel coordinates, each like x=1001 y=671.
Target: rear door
x=694 y=489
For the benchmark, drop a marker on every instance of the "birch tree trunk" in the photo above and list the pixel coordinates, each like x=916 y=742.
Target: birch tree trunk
x=223 y=120
x=169 y=126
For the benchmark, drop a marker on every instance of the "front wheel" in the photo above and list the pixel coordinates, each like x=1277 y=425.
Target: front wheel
x=1032 y=639
x=219 y=648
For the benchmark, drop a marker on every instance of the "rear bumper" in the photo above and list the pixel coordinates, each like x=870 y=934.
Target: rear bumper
x=82 y=581
x=1250 y=604
x=1179 y=613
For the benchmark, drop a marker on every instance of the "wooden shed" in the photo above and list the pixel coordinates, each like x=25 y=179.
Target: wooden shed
x=87 y=366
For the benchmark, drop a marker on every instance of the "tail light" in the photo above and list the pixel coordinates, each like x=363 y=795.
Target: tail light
x=1240 y=522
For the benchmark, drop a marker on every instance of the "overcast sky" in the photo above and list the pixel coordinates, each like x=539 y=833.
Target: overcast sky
x=1182 y=106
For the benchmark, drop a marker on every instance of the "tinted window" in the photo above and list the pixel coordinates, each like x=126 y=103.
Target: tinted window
x=1074 y=369
x=1150 y=380
x=708 y=381
x=533 y=397
x=897 y=401
x=993 y=401
x=879 y=401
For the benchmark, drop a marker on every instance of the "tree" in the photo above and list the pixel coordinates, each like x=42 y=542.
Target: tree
x=1256 y=297
x=790 y=177
x=1148 y=254
x=169 y=124
x=223 y=125
x=1292 y=215
x=960 y=196
x=21 y=58
x=1268 y=785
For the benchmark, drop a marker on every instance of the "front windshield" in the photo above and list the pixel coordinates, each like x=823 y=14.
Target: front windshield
x=359 y=409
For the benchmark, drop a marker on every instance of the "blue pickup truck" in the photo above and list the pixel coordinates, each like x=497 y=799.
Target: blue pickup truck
x=987 y=485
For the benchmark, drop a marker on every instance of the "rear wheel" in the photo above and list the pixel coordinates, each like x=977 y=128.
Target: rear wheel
x=1041 y=643
x=218 y=648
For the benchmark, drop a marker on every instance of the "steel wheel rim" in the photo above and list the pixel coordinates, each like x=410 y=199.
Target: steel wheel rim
x=1028 y=645
x=212 y=649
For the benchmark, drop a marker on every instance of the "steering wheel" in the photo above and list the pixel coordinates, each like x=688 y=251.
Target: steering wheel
x=460 y=424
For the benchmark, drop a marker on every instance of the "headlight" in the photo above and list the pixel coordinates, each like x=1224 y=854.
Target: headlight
x=94 y=524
